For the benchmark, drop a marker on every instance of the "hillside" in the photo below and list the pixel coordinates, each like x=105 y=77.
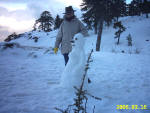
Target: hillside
x=30 y=72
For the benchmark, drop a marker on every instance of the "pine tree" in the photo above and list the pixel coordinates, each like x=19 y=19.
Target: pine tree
x=87 y=18
x=118 y=8
x=11 y=37
x=45 y=21
x=129 y=38
x=146 y=7
x=138 y=7
x=88 y=22
x=133 y=8
x=58 y=22
x=121 y=29
x=123 y=8
x=96 y=13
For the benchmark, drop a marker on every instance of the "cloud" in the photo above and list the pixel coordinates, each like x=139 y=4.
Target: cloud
x=15 y=21
x=14 y=24
x=16 y=1
x=75 y=3
x=37 y=6
x=4 y=33
x=54 y=7
x=3 y=11
x=20 y=15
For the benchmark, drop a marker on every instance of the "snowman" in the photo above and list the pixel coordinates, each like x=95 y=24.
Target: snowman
x=75 y=68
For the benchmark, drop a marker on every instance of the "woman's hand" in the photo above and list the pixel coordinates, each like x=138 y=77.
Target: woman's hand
x=55 y=50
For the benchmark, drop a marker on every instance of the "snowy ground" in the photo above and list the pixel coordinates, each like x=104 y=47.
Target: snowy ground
x=29 y=79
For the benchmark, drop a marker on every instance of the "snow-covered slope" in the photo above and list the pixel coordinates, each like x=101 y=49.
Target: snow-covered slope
x=30 y=73
x=138 y=27
x=44 y=39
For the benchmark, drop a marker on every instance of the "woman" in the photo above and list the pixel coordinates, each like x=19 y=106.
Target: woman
x=69 y=27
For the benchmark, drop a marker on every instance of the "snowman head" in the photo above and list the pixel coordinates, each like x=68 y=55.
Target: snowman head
x=78 y=41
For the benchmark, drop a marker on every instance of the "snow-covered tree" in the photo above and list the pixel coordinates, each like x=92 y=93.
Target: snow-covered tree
x=129 y=38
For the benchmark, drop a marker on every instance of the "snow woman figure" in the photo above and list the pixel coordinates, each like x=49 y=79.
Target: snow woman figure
x=69 y=27
x=75 y=68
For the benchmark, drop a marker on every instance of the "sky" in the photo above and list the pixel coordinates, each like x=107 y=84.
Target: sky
x=19 y=15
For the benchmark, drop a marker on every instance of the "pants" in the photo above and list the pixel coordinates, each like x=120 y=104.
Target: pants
x=66 y=58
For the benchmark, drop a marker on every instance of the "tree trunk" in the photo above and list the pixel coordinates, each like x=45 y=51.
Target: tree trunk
x=42 y=25
x=117 y=18
x=95 y=28
x=146 y=15
x=118 y=40
x=99 y=35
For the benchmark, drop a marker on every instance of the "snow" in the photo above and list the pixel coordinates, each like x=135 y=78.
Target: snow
x=74 y=70
x=30 y=78
x=45 y=40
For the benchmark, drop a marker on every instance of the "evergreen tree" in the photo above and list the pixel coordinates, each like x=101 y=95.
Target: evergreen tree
x=58 y=22
x=96 y=13
x=138 y=7
x=129 y=38
x=11 y=37
x=118 y=8
x=146 y=7
x=88 y=22
x=132 y=8
x=135 y=7
x=121 y=29
x=123 y=8
x=45 y=22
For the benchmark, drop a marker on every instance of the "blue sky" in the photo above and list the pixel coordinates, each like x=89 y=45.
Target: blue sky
x=19 y=15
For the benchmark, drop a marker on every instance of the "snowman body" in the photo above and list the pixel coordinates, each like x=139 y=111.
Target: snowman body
x=75 y=68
